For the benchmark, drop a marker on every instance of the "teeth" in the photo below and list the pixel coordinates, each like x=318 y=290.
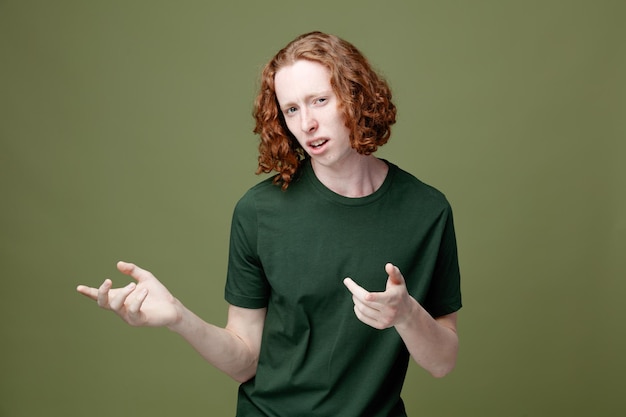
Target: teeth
x=318 y=143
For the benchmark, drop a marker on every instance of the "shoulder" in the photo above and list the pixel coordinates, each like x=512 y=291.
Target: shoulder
x=266 y=195
x=408 y=185
x=260 y=189
x=249 y=199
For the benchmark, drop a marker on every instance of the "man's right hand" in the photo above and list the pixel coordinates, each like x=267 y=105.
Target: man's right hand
x=145 y=302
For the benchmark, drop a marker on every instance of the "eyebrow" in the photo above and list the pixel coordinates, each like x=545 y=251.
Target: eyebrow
x=308 y=97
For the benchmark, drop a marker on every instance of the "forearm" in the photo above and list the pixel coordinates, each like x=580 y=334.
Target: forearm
x=432 y=343
x=221 y=347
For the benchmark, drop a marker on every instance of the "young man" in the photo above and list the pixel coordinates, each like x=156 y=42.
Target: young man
x=341 y=267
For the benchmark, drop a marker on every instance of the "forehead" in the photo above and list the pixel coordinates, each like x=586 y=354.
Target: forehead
x=300 y=80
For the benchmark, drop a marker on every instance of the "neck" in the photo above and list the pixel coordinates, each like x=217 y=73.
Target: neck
x=353 y=180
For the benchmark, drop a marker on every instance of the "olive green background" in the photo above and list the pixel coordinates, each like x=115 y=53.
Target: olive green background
x=125 y=133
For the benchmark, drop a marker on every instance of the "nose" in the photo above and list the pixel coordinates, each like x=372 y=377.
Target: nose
x=308 y=123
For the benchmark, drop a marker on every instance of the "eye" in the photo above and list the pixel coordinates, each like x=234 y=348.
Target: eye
x=321 y=100
x=290 y=110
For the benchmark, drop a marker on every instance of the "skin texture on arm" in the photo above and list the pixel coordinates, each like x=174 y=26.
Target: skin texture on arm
x=233 y=349
x=146 y=302
x=432 y=343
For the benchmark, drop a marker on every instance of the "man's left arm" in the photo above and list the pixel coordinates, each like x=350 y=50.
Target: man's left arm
x=432 y=342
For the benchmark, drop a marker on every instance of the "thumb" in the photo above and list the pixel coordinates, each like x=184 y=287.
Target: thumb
x=395 y=277
x=133 y=270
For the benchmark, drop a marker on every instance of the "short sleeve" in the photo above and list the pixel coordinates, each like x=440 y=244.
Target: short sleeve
x=444 y=294
x=246 y=283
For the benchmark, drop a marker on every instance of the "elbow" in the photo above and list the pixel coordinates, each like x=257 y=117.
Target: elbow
x=446 y=362
x=443 y=366
x=241 y=378
x=244 y=374
x=442 y=370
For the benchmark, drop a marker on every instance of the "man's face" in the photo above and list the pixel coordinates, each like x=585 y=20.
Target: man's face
x=311 y=111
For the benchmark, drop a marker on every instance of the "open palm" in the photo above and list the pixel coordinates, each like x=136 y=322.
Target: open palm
x=145 y=302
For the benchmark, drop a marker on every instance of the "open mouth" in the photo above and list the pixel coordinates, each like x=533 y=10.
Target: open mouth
x=318 y=143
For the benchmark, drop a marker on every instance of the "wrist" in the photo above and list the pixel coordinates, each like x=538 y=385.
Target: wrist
x=179 y=313
x=409 y=316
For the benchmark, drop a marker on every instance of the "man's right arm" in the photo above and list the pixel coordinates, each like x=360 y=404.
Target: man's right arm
x=146 y=302
x=233 y=349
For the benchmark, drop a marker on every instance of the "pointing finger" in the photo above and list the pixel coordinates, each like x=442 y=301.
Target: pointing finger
x=358 y=291
x=88 y=291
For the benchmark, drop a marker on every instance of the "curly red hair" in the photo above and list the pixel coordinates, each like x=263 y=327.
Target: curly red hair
x=364 y=97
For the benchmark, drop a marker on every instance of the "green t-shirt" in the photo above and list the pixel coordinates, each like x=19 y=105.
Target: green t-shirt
x=290 y=251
